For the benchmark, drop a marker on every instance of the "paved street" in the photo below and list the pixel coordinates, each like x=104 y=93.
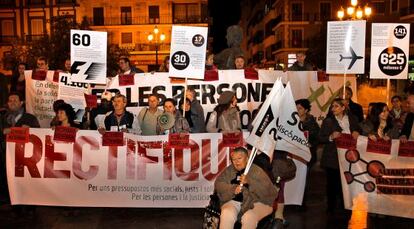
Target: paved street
x=313 y=217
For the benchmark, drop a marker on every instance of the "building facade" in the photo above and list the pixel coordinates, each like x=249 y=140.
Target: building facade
x=128 y=23
x=274 y=30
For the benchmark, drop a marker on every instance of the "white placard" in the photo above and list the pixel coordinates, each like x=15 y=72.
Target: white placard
x=390 y=45
x=88 y=56
x=73 y=93
x=188 y=52
x=345 y=52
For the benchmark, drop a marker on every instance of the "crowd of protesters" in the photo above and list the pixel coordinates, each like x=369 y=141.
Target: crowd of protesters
x=187 y=116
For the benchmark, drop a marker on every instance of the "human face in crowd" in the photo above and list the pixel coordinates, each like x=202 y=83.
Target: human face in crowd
x=396 y=104
x=167 y=63
x=67 y=65
x=119 y=104
x=410 y=103
x=169 y=107
x=153 y=102
x=186 y=106
x=384 y=114
x=301 y=111
x=239 y=160
x=300 y=57
x=210 y=59
x=14 y=103
x=233 y=102
x=337 y=109
x=189 y=95
x=21 y=69
x=348 y=94
x=41 y=65
x=123 y=65
x=61 y=115
x=239 y=63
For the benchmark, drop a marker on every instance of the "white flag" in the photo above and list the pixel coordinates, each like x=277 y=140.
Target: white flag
x=263 y=134
x=288 y=127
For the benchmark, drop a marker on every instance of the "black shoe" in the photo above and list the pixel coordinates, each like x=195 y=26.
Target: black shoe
x=278 y=224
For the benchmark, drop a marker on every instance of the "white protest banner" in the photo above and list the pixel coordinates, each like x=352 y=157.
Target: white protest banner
x=345 y=52
x=250 y=93
x=73 y=94
x=188 y=51
x=288 y=127
x=263 y=133
x=88 y=56
x=390 y=46
x=40 y=95
x=144 y=172
x=377 y=177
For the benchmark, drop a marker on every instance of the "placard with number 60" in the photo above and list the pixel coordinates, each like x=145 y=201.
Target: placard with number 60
x=88 y=56
x=389 y=51
x=188 y=52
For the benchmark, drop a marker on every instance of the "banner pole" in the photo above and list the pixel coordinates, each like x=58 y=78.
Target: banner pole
x=388 y=91
x=184 y=96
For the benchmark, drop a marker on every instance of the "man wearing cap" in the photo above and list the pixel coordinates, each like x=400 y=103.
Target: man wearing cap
x=226 y=116
x=148 y=117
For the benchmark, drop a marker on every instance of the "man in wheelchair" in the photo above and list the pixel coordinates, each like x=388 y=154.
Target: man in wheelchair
x=246 y=197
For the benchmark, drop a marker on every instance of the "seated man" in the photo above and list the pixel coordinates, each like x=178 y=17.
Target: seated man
x=249 y=197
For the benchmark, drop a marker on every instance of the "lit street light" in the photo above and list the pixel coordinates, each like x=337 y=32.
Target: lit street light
x=158 y=38
x=354 y=11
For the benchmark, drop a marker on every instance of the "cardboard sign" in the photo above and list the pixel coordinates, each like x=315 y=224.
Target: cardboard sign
x=346 y=141
x=126 y=80
x=91 y=101
x=251 y=74
x=39 y=75
x=65 y=134
x=113 y=138
x=380 y=146
x=188 y=51
x=233 y=139
x=406 y=149
x=18 y=135
x=179 y=140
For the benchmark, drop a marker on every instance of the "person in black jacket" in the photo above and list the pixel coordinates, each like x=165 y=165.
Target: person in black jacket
x=338 y=122
x=120 y=119
x=354 y=108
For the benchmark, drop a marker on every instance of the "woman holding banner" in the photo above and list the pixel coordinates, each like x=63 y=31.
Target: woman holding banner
x=338 y=122
x=226 y=116
x=378 y=124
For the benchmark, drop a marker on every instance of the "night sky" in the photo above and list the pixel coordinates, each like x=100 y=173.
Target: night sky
x=224 y=13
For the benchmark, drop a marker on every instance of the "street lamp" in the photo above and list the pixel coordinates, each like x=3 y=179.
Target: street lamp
x=154 y=35
x=354 y=11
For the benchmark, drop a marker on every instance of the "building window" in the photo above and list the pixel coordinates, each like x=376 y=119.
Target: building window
x=126 y=38
x=98 y=16
x=65 y=1
x=186 y=13
x=7 y=30
x=204 y=12
x=154 y=14
x=297 y=38
x=325 y=11
x=7 y=3
x=126 y=15
x=36 y=2
x=297 y=12
x=378 y=7
x=394 y=5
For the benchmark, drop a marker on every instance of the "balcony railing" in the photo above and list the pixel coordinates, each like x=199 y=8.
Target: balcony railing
x=151 y=47
x=291 y=44
x=30 y=38
x=7 y=39
x=144 y=20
